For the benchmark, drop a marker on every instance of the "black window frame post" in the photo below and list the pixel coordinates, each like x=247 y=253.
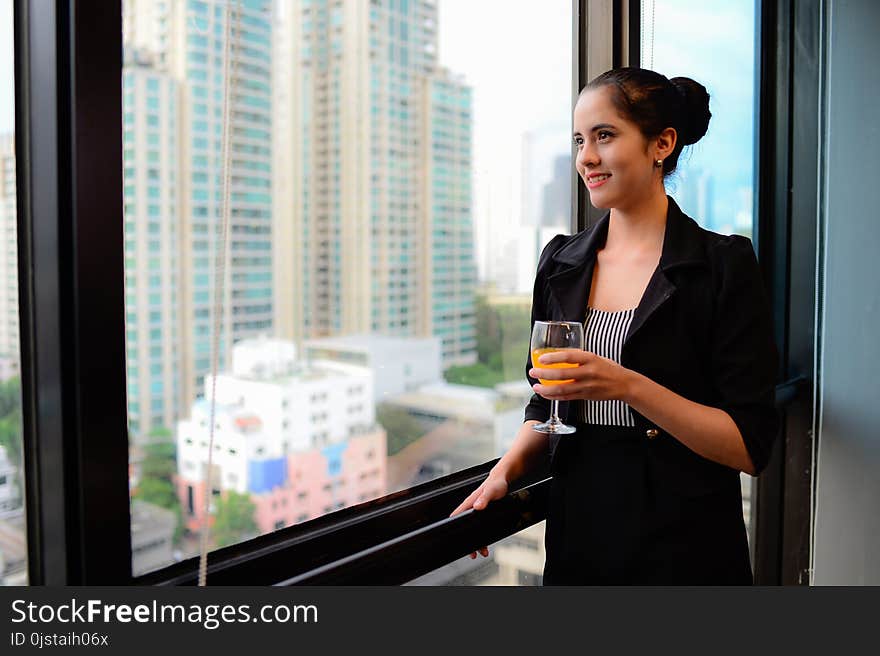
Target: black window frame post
x=68 y=63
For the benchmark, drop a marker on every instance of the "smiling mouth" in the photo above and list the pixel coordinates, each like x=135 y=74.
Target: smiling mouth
x=595 y=181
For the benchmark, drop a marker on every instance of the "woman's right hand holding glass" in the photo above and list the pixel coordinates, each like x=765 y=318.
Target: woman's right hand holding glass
x=494 y=487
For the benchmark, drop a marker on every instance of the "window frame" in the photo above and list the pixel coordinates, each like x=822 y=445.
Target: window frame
x=71 y=273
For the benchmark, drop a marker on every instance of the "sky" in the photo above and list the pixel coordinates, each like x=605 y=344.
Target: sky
x=517 y=57
x=720 y=54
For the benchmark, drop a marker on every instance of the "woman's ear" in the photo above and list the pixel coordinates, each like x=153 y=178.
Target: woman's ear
x=665 y=143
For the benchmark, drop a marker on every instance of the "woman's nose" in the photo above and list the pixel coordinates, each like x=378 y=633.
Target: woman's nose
x=587 y=156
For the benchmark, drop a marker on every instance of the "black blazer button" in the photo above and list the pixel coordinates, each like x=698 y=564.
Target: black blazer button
x=652 y=433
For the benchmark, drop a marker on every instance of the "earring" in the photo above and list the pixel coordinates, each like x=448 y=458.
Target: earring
x=658 y=163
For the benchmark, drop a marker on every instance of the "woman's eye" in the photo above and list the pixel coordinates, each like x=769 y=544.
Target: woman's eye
x=578 y=141
x=603 y=135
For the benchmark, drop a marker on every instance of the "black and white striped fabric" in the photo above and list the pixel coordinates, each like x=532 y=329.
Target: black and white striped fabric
x=604 y=334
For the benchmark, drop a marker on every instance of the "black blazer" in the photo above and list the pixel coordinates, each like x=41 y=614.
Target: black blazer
x=703 y=329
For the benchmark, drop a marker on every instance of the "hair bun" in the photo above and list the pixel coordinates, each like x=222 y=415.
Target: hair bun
x=695 y=112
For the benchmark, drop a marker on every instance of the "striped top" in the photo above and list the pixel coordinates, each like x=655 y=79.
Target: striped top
x=604 y=334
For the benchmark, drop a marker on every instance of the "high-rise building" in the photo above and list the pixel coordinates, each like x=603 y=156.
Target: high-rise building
x=373 y=212
x=185 y=44
x=9 y=335
x=448 y=237
x=556 y=194
x=151 y=187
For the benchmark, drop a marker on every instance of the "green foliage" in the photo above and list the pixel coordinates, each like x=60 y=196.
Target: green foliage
x=10 y=396
x=10 y=424
x=502 y=346
x=161 y=493
x=479 y=375
x=234 y=519
x=158 y=492
x=156 y=476
x=159 y=460
x=402 y=428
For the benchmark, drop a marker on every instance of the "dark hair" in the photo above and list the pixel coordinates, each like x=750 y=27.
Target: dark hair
x=654 y=102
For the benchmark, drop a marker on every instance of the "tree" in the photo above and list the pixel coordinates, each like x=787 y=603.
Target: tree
x=157 y=492
x=160 y=492
x=234 y=520
x=401 y=427
x=160 y=460
x=157 y=470
x=502 y=346
x=10 y=419
x=10 y=396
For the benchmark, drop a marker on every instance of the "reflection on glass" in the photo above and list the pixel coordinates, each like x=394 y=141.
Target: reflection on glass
x=517 y=560
x=13 y=532
x=714 y=183
x=394 y=174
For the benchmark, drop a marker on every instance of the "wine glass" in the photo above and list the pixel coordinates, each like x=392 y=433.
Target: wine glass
x=547 y=337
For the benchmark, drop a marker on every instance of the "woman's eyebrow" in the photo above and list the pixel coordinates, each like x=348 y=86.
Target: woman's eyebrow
x=602 y=126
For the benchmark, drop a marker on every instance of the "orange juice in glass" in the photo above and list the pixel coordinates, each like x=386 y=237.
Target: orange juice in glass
x=537 y=353
x=549 y=337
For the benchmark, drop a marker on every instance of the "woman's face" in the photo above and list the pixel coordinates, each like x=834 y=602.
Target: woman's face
x=613 y=157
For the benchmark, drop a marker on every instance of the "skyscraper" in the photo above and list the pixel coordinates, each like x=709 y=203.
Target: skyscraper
x=152 y=170
x=9 y=336
x=447 y=225
x=375 y=225
x=186 y=43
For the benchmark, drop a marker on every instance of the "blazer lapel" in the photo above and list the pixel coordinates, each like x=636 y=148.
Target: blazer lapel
x=570 y=284
x=658 y=291
x=682 y=246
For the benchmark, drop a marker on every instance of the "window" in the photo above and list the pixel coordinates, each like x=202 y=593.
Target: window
x=714 y=182
x=362 y=407
x=13 y=564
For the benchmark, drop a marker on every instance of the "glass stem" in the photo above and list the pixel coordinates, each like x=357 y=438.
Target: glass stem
x=554 y=412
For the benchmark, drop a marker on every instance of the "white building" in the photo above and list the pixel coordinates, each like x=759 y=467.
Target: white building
x=398 y=364
x=272 y=406
x=8 y=368
x=9 y=333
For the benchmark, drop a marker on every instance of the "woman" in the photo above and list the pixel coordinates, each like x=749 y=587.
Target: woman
x=673 y=395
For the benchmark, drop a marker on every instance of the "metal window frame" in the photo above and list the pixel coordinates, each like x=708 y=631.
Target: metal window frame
x=788 y=138
x=69 y=167
x=69 y=142
x=68 y=86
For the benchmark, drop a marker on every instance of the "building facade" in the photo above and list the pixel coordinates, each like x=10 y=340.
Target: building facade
x=185 y=44
x=376 y=141
x=9 y=332
x=299 y=440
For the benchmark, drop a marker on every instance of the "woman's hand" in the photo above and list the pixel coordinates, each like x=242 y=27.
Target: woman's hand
x=595 y=378
x=494 y=487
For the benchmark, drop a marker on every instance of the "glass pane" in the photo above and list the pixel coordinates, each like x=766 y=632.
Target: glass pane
x=13 y=531
x=714 y=182
x=516 y=560
x=394 y=173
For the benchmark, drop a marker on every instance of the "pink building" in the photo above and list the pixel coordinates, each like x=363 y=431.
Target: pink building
x=316 y=482
x=300 y=439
